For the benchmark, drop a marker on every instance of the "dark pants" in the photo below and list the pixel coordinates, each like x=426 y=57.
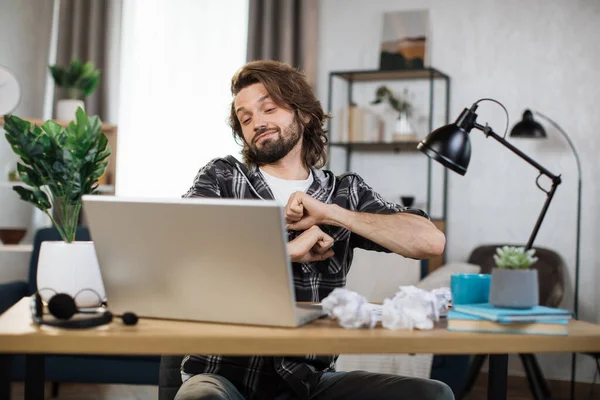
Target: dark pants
x=357 y=385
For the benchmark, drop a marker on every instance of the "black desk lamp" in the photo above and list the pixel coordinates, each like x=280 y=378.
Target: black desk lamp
x=450 y=145
x=529 y=128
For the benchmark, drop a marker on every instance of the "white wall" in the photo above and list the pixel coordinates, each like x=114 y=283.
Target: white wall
x=24 y=51
x=25 y=27
x=542 y=54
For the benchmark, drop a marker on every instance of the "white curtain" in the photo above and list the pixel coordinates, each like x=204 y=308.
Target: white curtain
x=177 y=60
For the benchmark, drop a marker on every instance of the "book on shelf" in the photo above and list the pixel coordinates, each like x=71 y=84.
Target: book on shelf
x=463 y=322
x=359 y=125
x=509 y=315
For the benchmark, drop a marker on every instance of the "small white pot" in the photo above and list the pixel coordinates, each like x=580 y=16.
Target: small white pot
x=403 y=127
x=69 y=268
x=66 y=109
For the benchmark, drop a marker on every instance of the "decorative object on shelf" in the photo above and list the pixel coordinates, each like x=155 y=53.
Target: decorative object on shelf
x=402 y=129
x=80 y=80
x=404 y=40
x=60 y=165
x=359 y=125
x=407 y=201
x=514 y=284
x=12 y=236
x=12 y=176
x=529 y=128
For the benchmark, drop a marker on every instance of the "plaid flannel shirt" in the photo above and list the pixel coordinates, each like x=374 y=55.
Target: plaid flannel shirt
x=257 y=377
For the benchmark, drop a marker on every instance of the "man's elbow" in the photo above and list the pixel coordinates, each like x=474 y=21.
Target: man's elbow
x=433 y=245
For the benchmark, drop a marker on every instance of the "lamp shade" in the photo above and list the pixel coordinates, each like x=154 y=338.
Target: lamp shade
x=450 y=146
x=528 y=127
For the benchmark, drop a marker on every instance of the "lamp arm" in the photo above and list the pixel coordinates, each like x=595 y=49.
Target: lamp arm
x=543 y=171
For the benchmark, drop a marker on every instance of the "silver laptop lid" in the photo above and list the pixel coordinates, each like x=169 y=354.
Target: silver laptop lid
x=220 y=260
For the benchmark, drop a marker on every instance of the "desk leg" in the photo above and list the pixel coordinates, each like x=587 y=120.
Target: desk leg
x=5 y=372
x=498 y=377
x=34 y=376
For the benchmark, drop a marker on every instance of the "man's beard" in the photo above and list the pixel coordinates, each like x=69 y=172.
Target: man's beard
x=275 y=148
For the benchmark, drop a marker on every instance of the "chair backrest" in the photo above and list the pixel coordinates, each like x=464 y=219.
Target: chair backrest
x=550 y=267
x=169 y=377
x=43 y=235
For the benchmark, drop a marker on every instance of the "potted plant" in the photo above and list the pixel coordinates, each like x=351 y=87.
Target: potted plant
x=514 y=283
x=58 y=166
x=80 y=80
x=401 y=105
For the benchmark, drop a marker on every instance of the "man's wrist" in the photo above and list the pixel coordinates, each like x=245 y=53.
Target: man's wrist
x=338 y=216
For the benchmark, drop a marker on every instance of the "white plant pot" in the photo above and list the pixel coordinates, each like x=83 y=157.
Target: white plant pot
x=403 y=127
x=70 y=268
x=66 y=109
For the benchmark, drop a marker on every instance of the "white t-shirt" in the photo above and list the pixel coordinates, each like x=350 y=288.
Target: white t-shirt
x=283 y=188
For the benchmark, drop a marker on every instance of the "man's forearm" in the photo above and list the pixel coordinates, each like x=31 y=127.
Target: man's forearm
x=406 y=234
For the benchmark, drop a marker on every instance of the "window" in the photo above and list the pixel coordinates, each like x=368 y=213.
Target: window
x=177 y=60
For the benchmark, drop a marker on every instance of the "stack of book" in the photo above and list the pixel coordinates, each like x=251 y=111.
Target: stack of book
x=487 y=318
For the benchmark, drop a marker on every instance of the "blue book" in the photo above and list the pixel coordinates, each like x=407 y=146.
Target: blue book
x=508 y=315
x=462 y=322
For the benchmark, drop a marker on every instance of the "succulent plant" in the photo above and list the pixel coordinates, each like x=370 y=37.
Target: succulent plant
x=511 y=257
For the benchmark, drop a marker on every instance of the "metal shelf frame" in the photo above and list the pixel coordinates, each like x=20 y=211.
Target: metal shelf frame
x=428 y=74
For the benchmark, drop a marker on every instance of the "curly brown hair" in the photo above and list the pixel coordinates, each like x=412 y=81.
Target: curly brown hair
x=289 y=89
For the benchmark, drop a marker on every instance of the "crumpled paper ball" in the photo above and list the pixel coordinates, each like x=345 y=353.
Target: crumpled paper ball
x=350 y=308
x=411 y=308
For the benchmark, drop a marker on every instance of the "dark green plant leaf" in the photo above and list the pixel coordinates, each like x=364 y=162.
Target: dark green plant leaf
x=58 y=74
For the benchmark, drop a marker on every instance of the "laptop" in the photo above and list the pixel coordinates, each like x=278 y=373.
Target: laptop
x=213 y=260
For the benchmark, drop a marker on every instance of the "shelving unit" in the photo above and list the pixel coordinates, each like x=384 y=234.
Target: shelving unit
x=431 y=75
x=16 y=248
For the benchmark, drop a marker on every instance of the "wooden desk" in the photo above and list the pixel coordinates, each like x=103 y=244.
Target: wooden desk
x=19 y=335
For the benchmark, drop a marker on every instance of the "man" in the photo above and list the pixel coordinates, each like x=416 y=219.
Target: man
x=279 y=122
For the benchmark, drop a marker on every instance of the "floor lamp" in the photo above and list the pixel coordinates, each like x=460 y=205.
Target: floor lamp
x=529 y=128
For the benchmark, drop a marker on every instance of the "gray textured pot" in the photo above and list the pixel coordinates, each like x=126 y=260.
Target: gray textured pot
x=514 y=288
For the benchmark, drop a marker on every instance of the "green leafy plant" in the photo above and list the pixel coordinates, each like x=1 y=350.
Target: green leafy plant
x=510 y=257
x=383 y=93
x=58 y=165
x=80 y=80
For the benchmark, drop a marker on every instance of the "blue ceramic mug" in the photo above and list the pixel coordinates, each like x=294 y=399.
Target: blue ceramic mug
x=470 y=288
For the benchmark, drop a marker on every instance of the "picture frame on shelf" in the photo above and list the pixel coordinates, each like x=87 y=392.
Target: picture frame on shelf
x=404 y=40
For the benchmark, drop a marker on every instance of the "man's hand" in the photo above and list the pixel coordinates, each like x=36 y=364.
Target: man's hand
x=303 y=211
x=312 y=245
